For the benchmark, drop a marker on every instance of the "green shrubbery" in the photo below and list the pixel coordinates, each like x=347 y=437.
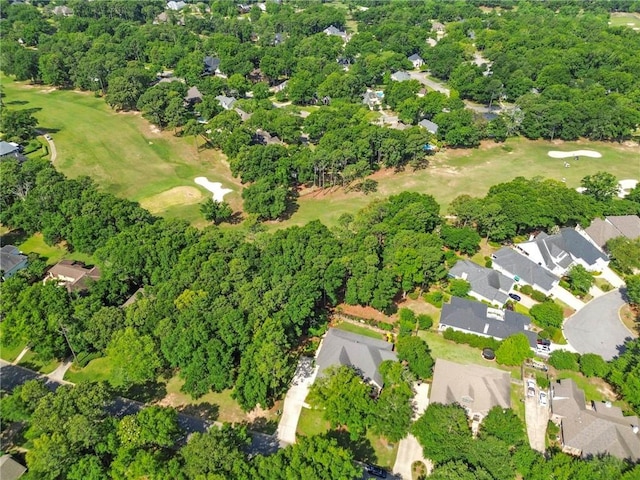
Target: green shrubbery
x=470 y=339
x=564 y=360
x=434 y=298
x=547 y=314
x=425 y=322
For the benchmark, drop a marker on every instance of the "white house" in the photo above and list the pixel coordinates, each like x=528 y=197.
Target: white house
x=416 y=60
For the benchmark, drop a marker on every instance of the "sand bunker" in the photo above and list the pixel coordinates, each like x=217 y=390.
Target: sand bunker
x=213 y=187
x=576 y=153
x=625 y=186
x=169 y=198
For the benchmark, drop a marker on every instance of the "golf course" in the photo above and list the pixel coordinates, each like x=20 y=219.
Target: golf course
x=131 y=158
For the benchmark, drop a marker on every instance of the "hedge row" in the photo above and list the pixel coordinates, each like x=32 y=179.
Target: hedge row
x=470 y=339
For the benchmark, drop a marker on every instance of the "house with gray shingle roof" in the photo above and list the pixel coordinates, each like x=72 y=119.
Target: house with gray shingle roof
x=364 y=354
x=600 y=429
x=211 y=65
x=474 y=317
x=486 y=284
x=336 y=32
x=477 y=389
x=176 y=6
x=226 y=102
x=400 y=76
x=8 y=149
x=601 y=231
x=429 y=126
x=11 y=261
x=193 y=96
x=558 y=253
x=416 y=60
x=523 y=270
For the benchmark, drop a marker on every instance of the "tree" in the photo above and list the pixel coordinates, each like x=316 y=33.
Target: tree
x=504 y=425
x=624 y=253
x=407 y=321
x=216 y=212
x=580 y=279
x=134 y=358
x=417 y=354
x=602 y=186
x=514 y=350
x=464 y=240
x=444 y=433
x=633 y=289
x=18 y=125
x=318 y=457
x=152 y=426
x=564 y=360
x=547 y=314
x=266 y=198
x=393 y=408
x=625 y=373
x=459 y=287
x=592 y=365
x=106 y=321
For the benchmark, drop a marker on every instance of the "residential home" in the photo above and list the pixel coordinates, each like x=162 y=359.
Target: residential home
x=11 y=150
x=558 y=253
x=333 y=31
x=523 y=270
x=62 y=10
x=429 y=126
x=400 y=76
x=364 y=354
x=212 y=66
x=133 y=298
x=265 y=138
x=477 y=389
x=75 y=276
x=371 y=99
x=416 y=60
x=278 y=38
x=244 y=116
x=474 y=317
x=193 y=96
x=176 y=6
x=244 y=8
x=601 y=231
x=226 y=102
x=486 y=284
x=10 y=469
x=437 y=27
x=11 y=261
x=281 y=86
x=595 y=429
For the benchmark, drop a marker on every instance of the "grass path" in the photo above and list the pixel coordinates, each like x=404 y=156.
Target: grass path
x=122 y=152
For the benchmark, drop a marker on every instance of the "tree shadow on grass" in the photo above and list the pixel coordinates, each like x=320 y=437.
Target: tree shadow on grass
x=146 y=392
x=263 y=425
x=361 y=448
x=204 y=411
x=17 y=102
x=14 y=237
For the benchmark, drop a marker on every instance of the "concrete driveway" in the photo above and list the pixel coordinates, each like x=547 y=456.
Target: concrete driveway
x=612 y=277
x=537 y=417
x=566 y=297
x=294 y=400
x=597 y=328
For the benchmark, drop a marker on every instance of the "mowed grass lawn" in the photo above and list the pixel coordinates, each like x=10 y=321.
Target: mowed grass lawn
x=123 y=153
x=455 y=172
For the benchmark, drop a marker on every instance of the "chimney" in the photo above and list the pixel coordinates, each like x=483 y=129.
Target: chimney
x=635 y=429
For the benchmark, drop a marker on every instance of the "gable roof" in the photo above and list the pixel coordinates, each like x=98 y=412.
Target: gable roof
x=10 y=469
x=486 y=282
x=362 y=353
x=226 y=102
x=173 y=5
x=477 y=389
x=602 y=429
x=429 y=125
x=400 y=76
x=414 y=57
x=211 y=64
x=520 y=266
x=74 y=275
x=601 y=231
x=561 y=249
x=193 y=94
x=332 y=30
x=476 y=317
x=7 y=148
x=10 y=258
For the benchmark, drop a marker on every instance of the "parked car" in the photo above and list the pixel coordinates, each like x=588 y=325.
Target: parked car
x=488 y=354
x=544 y=341
x=531 y=383
x=375 y=471
x=515 y=297
x=543 y=398
x=531 y=392
x=47 y=136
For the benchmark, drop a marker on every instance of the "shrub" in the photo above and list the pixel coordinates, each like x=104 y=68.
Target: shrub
x=606 y=287
x=547 y=314
x=406 y=321
x=592 y=365
x=434 y=298
x=417 y=354
x=470 y=339
x=414 y=295
x=564 y=360
x=526 y=289
x=543 y=381
x=514 y=350
x=384 y=326
x=425 y=322
x=459 y=287
x=538 y=296
x=488 y=262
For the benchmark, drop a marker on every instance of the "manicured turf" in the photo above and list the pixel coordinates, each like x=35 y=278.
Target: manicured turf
x=120 y=151
x=625 y=19
x=98 y=370
x=311 y=423
x=36 y=244
x=455 y=172
x=32 y=361
x=11 y=352
x=350 y=327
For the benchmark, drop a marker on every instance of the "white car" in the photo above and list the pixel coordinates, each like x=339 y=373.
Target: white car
x=531 y=383
x=47 y=136
x=543 y=398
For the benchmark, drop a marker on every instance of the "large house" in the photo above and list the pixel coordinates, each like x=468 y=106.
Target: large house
x=523 y=270
x=477 y=389
x=593 y=431
x=558 y=253
x=474 y=317
x=416 y=60
x=11 y=150
x=601 y=231
x=364 y=354
x=176 y=6
x=429 y=126
x=11 y=261
x=73 y=275
x=486 y=284
x=212 y=66
x=226 y=102
x=336 y=32
x=400 y=76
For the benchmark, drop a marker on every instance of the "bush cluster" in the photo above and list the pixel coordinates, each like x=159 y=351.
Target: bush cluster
x=470 y=339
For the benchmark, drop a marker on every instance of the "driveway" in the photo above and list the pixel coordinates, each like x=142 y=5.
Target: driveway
x=294 y=400
x=536 y=417
x=612 y=277
x=409 y=449
x=566 y=297
x=597 y=327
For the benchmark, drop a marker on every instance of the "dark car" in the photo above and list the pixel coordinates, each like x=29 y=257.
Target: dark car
x=515 y=297
x=376 y=471
x=544 y=341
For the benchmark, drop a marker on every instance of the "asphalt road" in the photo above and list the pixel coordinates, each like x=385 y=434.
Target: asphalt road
x=12 y=375
x=597 y=328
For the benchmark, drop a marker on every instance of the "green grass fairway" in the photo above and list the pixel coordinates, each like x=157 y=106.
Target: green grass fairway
x=454 y=172
x=123 y=153
x=625 y=19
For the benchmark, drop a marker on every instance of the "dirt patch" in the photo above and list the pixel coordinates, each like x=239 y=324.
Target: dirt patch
x=363 y=312
x=154 y=129
x=171 y=400
x=630 y=318
x=419 y=306
x=175 y=196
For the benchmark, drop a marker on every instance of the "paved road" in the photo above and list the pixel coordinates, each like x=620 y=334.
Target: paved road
x=13 y=375
x=597 y=328
x=294 y=400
